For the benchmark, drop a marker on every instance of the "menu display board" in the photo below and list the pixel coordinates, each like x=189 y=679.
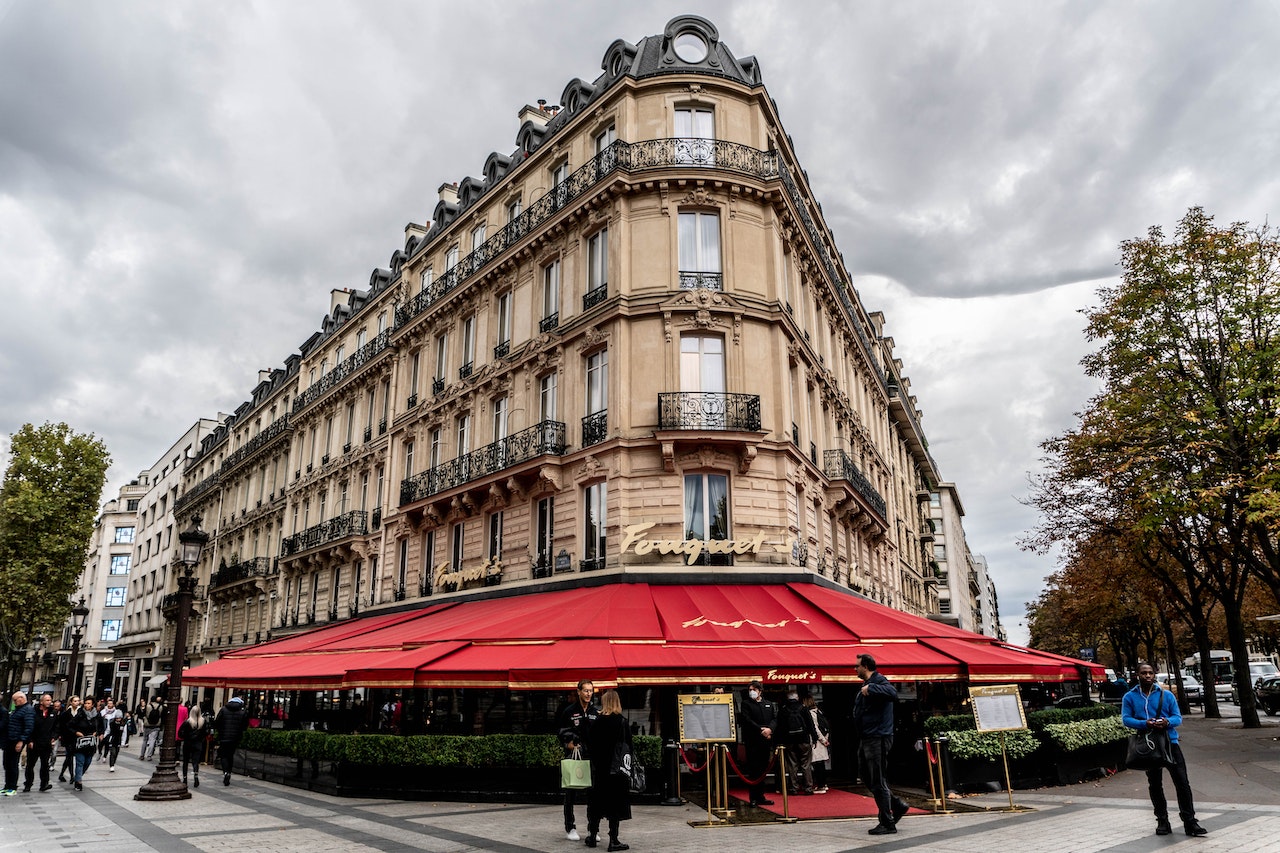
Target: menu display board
x=997 y=708
x=707 y=718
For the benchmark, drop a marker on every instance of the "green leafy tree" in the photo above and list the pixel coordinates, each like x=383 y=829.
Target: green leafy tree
x=1179 y=451
x=48 y=504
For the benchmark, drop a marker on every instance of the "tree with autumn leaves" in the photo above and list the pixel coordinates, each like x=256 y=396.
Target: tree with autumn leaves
x=48 y=503
x=1176 y=461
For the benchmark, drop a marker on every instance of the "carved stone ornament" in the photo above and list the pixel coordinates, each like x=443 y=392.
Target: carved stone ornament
x=592 y=339
x=590 y=469
x=700 y=197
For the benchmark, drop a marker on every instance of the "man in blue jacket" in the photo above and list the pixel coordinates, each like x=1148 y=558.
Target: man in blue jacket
x=873 y=713
x=1146 y=707
x=21 y=722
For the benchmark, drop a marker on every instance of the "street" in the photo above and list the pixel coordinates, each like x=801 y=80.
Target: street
x=1235 y=774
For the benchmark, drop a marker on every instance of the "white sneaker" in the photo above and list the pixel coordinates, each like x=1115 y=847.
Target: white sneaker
x=112 y=769
x=572 y=835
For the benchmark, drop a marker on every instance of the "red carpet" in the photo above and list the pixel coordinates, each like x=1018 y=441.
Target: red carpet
x=835 y=803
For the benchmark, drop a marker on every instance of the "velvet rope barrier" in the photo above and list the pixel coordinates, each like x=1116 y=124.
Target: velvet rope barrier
x=738 y=771
x=690 y=764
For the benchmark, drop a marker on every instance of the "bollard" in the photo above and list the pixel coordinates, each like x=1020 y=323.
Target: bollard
x=671 y=768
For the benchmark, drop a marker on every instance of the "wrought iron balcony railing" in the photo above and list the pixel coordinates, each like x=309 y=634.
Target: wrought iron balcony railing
x=354 y=523
x=348 y=366
x=625 y=156
x=253 y=445
x=547 y=437
x=549 y=322
x=692 y=280
x=595 y=428
x=376 y=520
x=838 y=466
x=592 y=298
x=591 y=565
x=502 y=350
x=465 y=371
x=190 y=496
x=707 y=410
x=542 y=567
x=437 y=386
x=258 y=567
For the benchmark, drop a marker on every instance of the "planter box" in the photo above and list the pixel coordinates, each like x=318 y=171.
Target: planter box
x=1092 y=762
x=469 y=784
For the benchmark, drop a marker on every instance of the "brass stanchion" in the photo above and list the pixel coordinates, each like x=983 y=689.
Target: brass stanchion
x=1008 y=785
x=781 y=754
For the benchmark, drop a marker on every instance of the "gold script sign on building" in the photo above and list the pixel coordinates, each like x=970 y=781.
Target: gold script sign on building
x=692 y=549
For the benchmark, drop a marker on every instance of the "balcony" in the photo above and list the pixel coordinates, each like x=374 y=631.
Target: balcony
x=326 y=532
x=169 y=604
x=838 y=466
x=595 y=428
x=545 y=438
x=629 y=157
x=699 y=410
x=253 y=445
x=592 y=298
x=464 y=372
x=542 y=567
x=502 y=350
x=437 y=386
x=927 y=530
x=552 y=321
x=368 y=433
x=692 y=280
x=190 y=496
x=341 y=371
x=257 y=567
x=376 y=521
x=412 y=401
x=591 y=565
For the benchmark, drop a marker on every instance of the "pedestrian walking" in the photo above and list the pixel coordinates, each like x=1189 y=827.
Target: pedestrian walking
x=191 y=738
x=19 y=726
x=230 y=725
x=873 y=714
x=151 y=731
x=574 y=722
x=44 y=738
x=1149 y=707
x=84 y=732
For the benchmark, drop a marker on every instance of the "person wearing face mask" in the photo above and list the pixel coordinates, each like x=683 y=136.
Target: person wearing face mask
x=758 y=717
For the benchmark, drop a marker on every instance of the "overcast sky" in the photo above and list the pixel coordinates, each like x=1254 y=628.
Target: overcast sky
x=182 y=183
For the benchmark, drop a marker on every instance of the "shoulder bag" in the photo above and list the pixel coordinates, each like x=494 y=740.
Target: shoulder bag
x=575 y=772
x=86 y=743
x=1149 y=749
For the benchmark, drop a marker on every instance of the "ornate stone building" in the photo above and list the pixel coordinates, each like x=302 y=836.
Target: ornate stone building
x=628 y=347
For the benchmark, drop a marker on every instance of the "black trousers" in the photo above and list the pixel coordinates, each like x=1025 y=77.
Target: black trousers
x=42 y=753
x=570 y=800
x=873 y=761
x=758 y=753
x=227 y=756
x=1155 y=786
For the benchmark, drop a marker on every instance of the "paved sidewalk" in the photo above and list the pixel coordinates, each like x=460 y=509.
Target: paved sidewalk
x=1236 y=775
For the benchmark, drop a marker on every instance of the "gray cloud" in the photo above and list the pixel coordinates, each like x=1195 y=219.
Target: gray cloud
x=181 y=184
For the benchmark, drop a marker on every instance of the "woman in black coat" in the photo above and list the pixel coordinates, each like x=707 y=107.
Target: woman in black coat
x=610 y=793
x=79 y=725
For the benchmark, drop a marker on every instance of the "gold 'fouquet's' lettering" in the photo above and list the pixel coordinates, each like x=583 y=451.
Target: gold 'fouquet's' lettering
x=691 y=549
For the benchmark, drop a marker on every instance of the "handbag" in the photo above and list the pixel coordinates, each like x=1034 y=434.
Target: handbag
x=1149 y=750
x=621 y=765
x=575 y=772
x=86 y=743
x=638 y=781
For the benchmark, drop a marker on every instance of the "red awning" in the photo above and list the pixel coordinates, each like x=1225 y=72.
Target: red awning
x=637 y=633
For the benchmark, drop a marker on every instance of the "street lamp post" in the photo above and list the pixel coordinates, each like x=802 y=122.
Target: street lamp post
x=37 y=646
x=165 y=783
x=79 y=622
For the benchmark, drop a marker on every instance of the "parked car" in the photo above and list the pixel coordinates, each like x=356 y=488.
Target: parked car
x=1074 y=701
x=1195 y=693
x=1258 y=670
x=1268 y=691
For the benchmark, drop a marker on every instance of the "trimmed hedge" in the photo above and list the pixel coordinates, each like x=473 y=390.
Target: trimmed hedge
x=428 y=750
x=1036 y=720
x=1069 y=729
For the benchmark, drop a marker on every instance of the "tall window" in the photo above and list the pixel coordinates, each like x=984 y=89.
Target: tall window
x=547 y=397
x=593 y=519
x=702 y=363
x=377 y=497
x=598 y=382
x=442 y=356
x=477 y=236
x=402 y=569
x=428 y=276
x=598 y=260
x=370 y=398
x=469 y=340
x=700 y=250
x=110 y=630
x=124 y=535
x=494 y=545
x=408 y=459
x=415 y=362
x=451 y=258
x=695 y=133
x=500 y=409
x=364 y=491
x=334 y=580
x=551 y=294
x=558 y=186
x=456 y=556
x=706 y=512
x=436 y=448
x=464 y=435
x=362 y=337
x=545 y=541
x=514 y=209
x=426 y=581
x=115 y=597
x=120 y=564
x=504 y=318
x=351 y=422
x=382 y=322
x=605 y=138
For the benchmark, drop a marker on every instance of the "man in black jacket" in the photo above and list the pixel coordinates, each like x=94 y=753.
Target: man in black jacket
x=230 y=725
x=873 y=714
x=574 y=721
x=758 y=718
x=44 y=735
x=797 y=733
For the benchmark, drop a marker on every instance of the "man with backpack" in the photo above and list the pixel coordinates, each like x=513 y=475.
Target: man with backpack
x=873 y=714
x=797 y=733
x=151 y=728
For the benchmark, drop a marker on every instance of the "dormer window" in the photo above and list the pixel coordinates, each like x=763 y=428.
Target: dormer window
x=690 y=47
